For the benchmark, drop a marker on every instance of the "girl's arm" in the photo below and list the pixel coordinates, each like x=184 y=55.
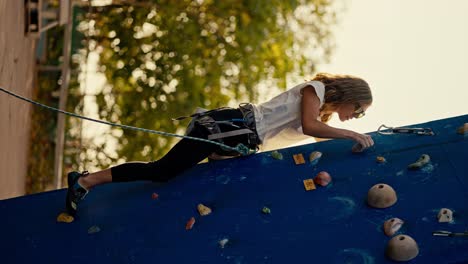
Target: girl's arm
x=310 y=110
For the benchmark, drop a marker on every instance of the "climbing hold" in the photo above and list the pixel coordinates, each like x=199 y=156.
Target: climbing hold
x=154 y=196
x=223 y=242
x=357 y=148
x=309 y=184
x=380 y=159
x=381 y=196
x=421 y=162
x=402 y=248
x=322 y=178
x=65 y=218
x=315 y=157
x=391 y=226
x=190 y=223
x=266 y=210
x=298 y=159
x=463 y=129
x=94 y=229
x=203 y=210
x=277 y=155
x=445 y=215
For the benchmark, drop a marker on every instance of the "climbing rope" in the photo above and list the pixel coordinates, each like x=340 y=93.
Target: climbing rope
x=240 y=148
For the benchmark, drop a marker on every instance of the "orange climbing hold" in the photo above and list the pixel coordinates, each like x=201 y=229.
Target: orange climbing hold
x=190 y=223
x=323 y=178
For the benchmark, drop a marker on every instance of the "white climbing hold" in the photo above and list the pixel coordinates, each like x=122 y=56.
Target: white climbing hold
x=445 y=215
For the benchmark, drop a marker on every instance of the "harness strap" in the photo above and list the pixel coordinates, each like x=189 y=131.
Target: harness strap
x=243 y=126
x=199 y=112
x=230 y=133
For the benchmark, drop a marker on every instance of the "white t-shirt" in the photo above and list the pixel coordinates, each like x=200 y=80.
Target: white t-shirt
x=278 y=121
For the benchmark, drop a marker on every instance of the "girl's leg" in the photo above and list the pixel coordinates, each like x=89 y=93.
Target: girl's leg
x=185 y=154
x=95 y=178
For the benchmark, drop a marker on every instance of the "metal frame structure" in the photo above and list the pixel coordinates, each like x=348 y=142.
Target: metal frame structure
x=36 y=13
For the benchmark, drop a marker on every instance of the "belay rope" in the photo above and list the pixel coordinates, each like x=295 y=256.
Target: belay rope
x=240 y=148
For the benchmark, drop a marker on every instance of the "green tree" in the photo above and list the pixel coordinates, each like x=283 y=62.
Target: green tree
x=164 y=58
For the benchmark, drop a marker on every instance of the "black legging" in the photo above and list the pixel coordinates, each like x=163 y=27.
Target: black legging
x=184 y=155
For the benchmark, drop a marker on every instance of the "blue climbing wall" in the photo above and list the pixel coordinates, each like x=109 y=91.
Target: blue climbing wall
x=331 y=224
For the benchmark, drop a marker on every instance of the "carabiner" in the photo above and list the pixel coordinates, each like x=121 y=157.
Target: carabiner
x=448 y=233
x=405 y=130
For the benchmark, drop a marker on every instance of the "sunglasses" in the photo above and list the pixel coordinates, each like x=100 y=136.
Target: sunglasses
x=358 y=111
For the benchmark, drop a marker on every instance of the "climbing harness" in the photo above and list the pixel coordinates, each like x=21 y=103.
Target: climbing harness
x=240 y=148
x=242 y=126
x=405 y=130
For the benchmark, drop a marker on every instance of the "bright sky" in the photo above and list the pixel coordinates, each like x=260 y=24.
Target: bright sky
x=413 y=53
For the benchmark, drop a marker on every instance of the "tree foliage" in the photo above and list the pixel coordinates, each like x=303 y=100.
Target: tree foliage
x=163 y=59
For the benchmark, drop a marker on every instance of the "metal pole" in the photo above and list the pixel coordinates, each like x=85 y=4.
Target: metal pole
x=60 y=136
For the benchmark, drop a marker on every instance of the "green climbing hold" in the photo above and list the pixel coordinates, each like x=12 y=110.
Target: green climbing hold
x=277 y=155
x=94 y=229
x=266 y=210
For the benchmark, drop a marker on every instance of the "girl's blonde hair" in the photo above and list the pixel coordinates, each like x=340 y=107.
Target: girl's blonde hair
x=342 y=89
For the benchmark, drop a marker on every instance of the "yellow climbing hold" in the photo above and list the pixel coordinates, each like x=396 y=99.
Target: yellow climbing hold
x=463 y=129
x=298 y=159
x=65 y=218
x=203 y=210
x=380 y=159
x=309 y=184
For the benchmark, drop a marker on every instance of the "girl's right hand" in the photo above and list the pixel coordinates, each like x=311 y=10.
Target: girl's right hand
x=364 y=140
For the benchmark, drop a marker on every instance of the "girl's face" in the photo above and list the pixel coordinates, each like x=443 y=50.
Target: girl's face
x=349 y=111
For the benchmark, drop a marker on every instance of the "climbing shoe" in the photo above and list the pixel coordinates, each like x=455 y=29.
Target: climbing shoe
x=75 y=192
